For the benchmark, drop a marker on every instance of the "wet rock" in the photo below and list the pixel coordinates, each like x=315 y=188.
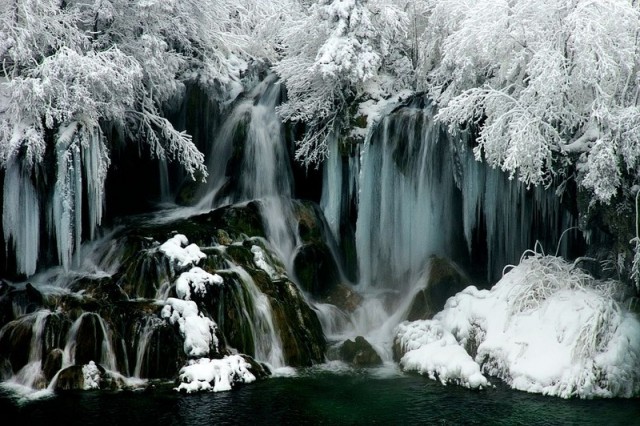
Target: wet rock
x=35 y=299
x=300 y=329
x=259 y=370
x=316 y=270
x=443 y=280
x=71 y=378
x=360 y=353
x=15 y=341
x=103 y=290
x=88 y=376
x=89 y=339
x=52 y=363
x=146 y=274
x=6 y=304
x=344 y=297
x=55 y=331
x=162 y=350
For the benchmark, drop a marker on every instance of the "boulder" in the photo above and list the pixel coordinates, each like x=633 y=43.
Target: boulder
x=443 y=279
x=316 y=270
x=15 y=341
x=359 y=353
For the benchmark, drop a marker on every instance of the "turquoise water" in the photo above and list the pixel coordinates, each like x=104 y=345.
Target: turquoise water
x=322 y=397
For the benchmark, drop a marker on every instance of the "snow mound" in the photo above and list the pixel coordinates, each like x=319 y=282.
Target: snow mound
x=214 y=375
x=91 y=375
x=198 y=331
x=545 y=327
x=196 y=280
x=180 y=252
x=434 y=351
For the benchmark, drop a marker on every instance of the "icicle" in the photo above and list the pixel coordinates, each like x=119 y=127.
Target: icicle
x=95 y=160
x=21 y=218
x=63 y=215
x=332 y=189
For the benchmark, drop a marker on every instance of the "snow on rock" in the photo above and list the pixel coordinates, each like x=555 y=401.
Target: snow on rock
x=198 y=331
x=196 y=280
x=91 y=375
x=214 y=375
x=545 y=327
x=434 y=351
x=260 y=260
x=181 y=253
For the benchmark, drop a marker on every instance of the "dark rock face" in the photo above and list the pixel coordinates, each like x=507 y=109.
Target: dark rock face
x=52 y=363
x=316 y=269
x=15 y=342
x=444 y=279
x=360 y=353
x=89 y=340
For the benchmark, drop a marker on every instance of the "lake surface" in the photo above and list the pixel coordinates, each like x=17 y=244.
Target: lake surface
x=321 y=396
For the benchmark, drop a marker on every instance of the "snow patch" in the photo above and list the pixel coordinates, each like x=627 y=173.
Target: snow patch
x=180 y=252
x=214 y=375
x=198 y=331
x=196 y=280
x=434 y=351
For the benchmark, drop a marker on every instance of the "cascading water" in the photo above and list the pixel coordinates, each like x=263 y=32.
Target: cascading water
x=252 y=141
x=99 y=331
x=267 y=342
x=420 y=193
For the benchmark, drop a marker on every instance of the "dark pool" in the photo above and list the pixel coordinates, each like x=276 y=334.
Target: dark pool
x=320 y=397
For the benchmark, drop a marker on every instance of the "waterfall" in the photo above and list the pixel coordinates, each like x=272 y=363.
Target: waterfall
x=408 y=200
x=101 y=335
x=249 y=160
x=258 y=312
x=31 y=374
x=420 y=192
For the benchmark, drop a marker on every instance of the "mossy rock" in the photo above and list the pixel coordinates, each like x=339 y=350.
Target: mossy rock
x=300 y=330
x=443 y=280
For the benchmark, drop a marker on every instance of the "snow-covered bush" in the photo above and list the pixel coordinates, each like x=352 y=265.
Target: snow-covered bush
x=545 y=327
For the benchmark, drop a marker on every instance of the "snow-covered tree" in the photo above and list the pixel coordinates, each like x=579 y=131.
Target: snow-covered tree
x=551 y=85
x=331 y=53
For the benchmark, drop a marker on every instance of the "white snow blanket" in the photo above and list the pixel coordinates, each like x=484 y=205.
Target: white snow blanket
x=214 y=375
x=545 y=327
